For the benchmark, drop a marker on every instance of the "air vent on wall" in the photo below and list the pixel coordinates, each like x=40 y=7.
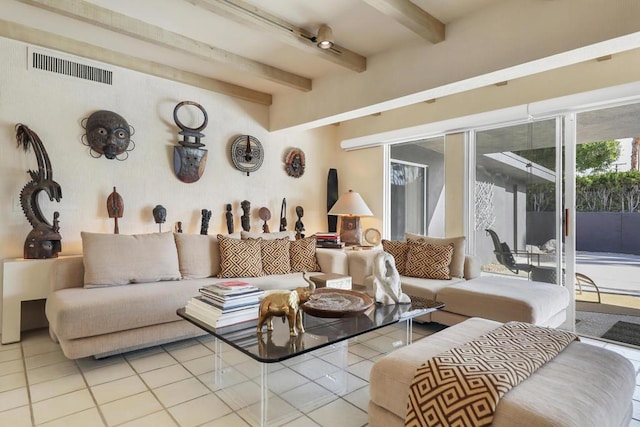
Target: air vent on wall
x=55 y=63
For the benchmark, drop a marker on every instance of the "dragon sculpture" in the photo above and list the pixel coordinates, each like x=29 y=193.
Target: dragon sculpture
x=44 y=241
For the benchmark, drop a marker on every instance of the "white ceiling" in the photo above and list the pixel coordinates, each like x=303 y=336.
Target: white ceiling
x=481 y=37
x=356 y=26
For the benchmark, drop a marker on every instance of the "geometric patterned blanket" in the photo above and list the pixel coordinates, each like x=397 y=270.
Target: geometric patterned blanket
x=461 y=387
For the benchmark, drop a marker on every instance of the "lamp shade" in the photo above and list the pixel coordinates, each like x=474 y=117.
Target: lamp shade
x=350 y=203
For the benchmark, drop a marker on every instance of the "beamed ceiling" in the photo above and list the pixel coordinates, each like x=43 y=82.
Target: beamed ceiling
x=261 y=50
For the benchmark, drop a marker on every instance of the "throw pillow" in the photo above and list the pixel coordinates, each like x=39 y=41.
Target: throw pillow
x=239 y=258
x=428 y=261
x=275 y=256
x=199 y=255
x=291 y=235
x=120 y=259
x=456 y=268
x=399 y=252
x=303 y=255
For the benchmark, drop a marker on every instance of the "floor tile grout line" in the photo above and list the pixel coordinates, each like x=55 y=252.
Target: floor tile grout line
x=26 y=383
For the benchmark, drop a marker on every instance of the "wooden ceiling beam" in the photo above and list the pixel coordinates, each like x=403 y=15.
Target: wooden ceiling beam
x=249 y=15
x=113 y=21
x=412 y=17
x=41 y=38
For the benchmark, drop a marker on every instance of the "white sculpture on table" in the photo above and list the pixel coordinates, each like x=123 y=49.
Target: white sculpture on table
x=386 y=281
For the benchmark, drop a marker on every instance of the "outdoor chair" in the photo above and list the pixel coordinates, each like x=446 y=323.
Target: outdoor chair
x=504 y=254
x=582 y=279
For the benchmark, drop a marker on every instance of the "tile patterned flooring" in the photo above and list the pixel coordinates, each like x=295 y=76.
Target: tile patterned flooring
x=173 y=384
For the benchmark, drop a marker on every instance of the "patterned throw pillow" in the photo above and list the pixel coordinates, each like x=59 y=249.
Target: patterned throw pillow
x=303 y=255
x=275 y=256
x=428 y=261
x=399 y=251
x=456 y=268
x=239 y=258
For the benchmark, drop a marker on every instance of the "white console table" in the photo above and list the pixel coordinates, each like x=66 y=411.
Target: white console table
x=22 y=280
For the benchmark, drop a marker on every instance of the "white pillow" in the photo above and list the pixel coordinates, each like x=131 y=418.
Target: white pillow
x=119 y=259
x=199 y=255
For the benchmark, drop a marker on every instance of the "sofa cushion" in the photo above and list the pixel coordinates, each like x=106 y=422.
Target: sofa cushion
x=291 y=235
x=78 y=313
x=239 y=258
x=199 y=255
x=399 y=252
x=120 y=259
x=456 y=267
x=505 y=299
x=303 y=255
x=275 y=256
x=428 y=261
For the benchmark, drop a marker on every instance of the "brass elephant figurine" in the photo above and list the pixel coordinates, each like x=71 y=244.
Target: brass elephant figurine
x=283 y=303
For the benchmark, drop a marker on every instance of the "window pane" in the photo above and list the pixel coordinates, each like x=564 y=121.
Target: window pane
x=417 y=188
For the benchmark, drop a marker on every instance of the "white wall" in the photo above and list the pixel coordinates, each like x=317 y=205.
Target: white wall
x=54 y=106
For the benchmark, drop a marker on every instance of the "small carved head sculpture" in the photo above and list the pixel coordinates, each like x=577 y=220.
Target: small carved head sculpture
x=108 y=133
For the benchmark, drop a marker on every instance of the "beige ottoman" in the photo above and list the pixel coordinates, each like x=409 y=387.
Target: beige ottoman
x=583 y=386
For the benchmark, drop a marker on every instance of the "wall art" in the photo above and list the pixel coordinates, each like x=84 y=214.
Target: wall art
x=294 y=162
x=44 y=241
x=108 y=133
x=189 y=160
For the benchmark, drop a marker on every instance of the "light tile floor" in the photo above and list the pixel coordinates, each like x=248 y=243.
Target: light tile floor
x=173 y=385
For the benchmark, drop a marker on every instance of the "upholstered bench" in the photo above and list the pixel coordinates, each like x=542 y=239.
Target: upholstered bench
x=583 y=386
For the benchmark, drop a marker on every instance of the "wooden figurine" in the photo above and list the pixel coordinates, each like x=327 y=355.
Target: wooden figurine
x=44 y=241
x=159 y=216
x=115 y=208
x=245 y=219
x=204 y=223
x=229 y=217
x=265 y=215
x=283 y=215
x=299 y=224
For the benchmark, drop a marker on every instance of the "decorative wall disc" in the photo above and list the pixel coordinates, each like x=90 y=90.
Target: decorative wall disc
x=247 y=153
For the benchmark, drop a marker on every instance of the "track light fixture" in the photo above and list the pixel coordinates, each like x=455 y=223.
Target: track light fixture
x=324 y=39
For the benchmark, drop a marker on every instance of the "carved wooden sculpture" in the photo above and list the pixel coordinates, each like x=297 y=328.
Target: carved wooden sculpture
x=115 y=208
x=44 y=241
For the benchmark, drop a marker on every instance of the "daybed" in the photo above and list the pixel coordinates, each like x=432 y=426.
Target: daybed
x=124 y=292
x=463 y=291
x=583 y=386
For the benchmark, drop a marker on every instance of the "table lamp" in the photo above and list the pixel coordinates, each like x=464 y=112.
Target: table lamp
x=350 y=207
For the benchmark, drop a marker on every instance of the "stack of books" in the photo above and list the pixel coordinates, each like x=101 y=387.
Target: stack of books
x=225 y=304
x=329 y=240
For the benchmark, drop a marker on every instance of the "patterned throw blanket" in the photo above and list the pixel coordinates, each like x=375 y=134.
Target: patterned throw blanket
x=461 y=387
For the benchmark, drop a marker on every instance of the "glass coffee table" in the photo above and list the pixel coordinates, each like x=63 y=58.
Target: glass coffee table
x=321 y=336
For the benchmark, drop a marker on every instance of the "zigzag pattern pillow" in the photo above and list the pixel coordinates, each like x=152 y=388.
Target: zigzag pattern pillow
x=275 y=256
x=399 y=251
x=303 y=255
x=428 y=261
x=239 y=258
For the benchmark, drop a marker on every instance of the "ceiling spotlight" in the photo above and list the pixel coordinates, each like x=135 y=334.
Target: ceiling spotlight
x=324 y=39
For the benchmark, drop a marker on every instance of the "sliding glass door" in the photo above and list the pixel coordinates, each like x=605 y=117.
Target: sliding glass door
x=518 y=208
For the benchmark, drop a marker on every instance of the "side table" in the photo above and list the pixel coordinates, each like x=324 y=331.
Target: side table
x=22 y=280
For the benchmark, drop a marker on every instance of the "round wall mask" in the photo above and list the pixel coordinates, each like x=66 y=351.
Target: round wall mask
x=294 y=163
x=108 y=133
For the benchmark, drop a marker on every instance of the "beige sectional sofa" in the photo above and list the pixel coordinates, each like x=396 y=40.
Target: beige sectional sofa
x=466 y=294
x=124 y=292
